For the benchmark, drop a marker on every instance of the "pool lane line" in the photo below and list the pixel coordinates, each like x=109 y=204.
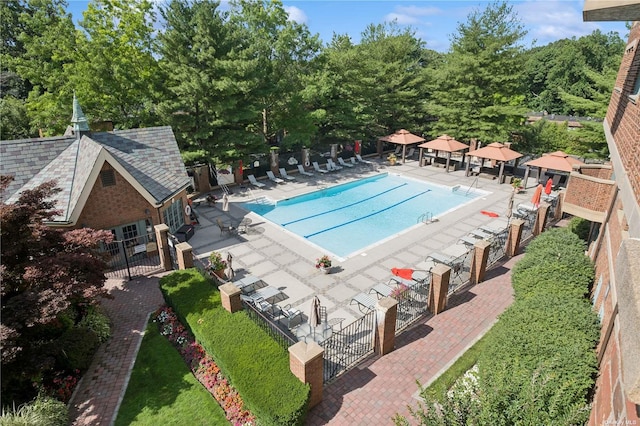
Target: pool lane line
x=343 y=207
x=369 y=215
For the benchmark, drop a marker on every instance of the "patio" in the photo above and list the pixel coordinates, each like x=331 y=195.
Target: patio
x=287 y=262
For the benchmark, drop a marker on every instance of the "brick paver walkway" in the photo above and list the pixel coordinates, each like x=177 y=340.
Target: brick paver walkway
x=100 y=392
x=373 y=394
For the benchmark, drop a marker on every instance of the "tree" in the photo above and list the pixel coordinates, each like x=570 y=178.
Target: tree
x=478 y=91
x=44 y=271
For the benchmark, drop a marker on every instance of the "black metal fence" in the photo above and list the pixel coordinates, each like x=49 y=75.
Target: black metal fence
x=269 y=324
x=498 y=247
x=460 y=270
x=412 y=304
x=529 y=223
x=133 y=257
x=348 y=346
x=173 y=253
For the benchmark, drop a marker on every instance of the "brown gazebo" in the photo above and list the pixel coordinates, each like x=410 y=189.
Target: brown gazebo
x=443 y=143
x=402 y=137
x=497 y=152
x=552 y=161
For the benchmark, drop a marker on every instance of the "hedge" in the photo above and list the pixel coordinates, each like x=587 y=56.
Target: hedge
x=252 y=361
x=540 y=362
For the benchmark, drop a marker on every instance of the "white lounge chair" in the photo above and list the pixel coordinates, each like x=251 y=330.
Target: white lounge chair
x=362 y=160
x=381 y=290
x=284 y=174
x=317 y=168
x=365 y=302
x=398 y=150
x=410 y=152
x=254 y=182
x=303 y=171
x=353 y=161
x=274 y=178
x=332 y=166
x=343 y=163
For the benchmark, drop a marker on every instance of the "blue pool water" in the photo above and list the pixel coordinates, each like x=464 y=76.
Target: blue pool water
x=347 y=218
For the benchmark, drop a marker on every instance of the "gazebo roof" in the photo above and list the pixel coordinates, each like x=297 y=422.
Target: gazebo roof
x=402 y=137
x=444 y=143
x=495 y=151
x=555 y=161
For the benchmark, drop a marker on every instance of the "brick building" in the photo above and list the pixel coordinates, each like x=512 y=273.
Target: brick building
x=125 y=181
x=608 y=195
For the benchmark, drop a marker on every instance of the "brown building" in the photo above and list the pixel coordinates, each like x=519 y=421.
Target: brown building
x=608 y=195
x=125 y=181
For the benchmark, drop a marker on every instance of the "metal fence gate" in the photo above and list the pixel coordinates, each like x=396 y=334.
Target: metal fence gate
x=412 y=304
x=345 y=348
x=133 y=257
x=498 y=247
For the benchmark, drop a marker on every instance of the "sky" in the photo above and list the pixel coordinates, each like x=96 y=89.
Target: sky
x=433 y=21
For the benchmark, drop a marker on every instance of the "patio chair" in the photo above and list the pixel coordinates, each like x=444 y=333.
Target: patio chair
x=411 y=152
x=262 y=305
x=303 y=171
x=226 y=228
x=254 y=182
x=290 y=314
x=364 y=301
x=398 y=150
x=381 y=290
x=453 y=262
x=317 y=168
x=284 y=174
x=343 y=163
x=274 y=178
x=362 y=160
x=332 y=166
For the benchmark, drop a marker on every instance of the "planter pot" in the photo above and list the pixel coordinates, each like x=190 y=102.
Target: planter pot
x=325 y=270
x=392 y=162
x=220 y=274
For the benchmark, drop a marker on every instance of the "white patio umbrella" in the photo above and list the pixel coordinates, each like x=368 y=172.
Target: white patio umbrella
x=229 y=272
x=314 y=314
x=225 y=203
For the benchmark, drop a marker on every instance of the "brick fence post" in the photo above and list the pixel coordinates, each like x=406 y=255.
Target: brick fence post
x=230 y=297
x=513 y=240
x=386 y=315
x=541 y=219
x=184 y=253
x=480 y=258
x=558 y=211
x=440 y=275
x=162 y=237
x=307 y=364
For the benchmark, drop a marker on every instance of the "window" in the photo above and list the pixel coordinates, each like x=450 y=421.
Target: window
x=129 y=231
x=173 y=216
x=108 y=177
x=635 y=93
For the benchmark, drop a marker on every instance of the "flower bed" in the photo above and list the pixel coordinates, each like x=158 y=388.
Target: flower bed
x=203 y=367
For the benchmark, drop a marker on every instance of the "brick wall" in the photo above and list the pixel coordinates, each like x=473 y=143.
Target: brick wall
x=589 y=194
x=597 y=172
x=624 y=113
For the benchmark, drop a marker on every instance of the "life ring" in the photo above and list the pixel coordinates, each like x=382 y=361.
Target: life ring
x=490 y=214
x=306 y=163
x=187 y=210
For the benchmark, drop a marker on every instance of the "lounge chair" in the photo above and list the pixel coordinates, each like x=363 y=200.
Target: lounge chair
x=290 y=314
x=411 y=152
x=343 y=163
x=468 y=241
x=332 y=166
x=482 y=234
x=284 y=174
x=362 y=160
x=354 y=161
x=226 y=228
x=303 y=171
x=317 y=168
x=267 y=293
x=451 y=261
x=364 y=301
x=261 y=304
x=247 y=284
x=398 y=150
x=274 y=178
x=254 y=182
x=382 y=290
x=555 y=182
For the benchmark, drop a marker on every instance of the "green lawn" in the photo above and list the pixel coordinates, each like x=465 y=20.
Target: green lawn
x=162 y=390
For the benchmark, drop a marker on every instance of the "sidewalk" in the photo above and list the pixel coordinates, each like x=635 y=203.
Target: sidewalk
x=100 y=392
x=374 y=393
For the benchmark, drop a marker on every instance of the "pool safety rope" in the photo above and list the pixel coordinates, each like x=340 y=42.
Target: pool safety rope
x=343 y=207
x=369 y=215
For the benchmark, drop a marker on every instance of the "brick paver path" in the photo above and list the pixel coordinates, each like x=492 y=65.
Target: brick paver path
x=373 y=394
x=100 y=392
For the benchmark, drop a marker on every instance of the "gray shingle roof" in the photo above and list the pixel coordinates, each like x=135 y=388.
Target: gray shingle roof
x=150 y=155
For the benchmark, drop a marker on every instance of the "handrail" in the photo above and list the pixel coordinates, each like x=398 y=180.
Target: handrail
x=471 y=186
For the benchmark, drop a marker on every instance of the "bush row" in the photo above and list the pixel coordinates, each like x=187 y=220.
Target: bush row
x=252 y=361
x=540 y=362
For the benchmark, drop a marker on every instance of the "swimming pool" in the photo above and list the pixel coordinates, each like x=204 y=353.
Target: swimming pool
x=347 y=218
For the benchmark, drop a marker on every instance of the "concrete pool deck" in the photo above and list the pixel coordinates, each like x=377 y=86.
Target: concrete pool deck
x=286 y=261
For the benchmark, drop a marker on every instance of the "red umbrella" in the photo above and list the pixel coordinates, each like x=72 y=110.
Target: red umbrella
x=407 y=274
x=547 y=187
x=535 y=200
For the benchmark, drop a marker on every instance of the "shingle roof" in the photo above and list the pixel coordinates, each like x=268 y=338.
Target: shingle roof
x=150 y=155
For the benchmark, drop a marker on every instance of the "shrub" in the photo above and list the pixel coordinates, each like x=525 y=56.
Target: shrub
x=43 y=411
x=97 y=322
x=580 y=227
x=252 y=361
x=77 y=347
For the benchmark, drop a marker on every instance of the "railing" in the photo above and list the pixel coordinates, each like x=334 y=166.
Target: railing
x=529 y=223
x=133 y=257
x=348 y=346
x=460 y=271
x=471 y=186
x=426 y=217
x=497 y=250
x=269 y=324
x=412 y=304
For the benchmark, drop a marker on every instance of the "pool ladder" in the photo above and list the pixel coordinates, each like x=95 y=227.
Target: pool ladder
x=426 y=218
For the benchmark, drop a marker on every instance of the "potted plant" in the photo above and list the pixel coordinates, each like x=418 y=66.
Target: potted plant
x=217 y=264
x=392 y=159
x=517 y=184
x=323 y=263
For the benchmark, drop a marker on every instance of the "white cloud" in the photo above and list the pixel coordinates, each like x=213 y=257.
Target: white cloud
x=401 y=18
x=418 y=11
x=552 y=20
x=296 y=14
